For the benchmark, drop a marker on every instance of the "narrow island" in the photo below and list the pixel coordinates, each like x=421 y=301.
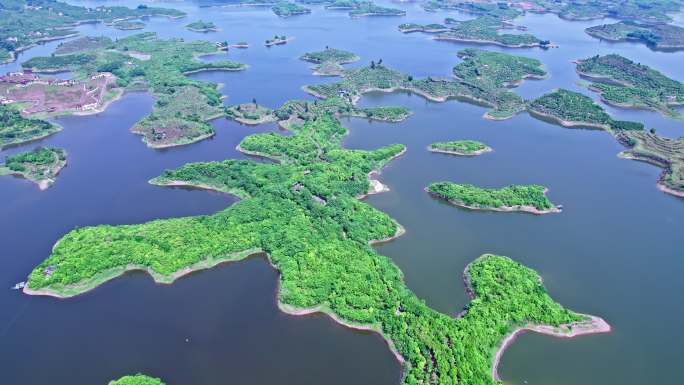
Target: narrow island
x=289 y=9
x=571 y=109
x=202 y=26
x=16 y=129
x=460 y=147
x=485 y=30
x=483 y=78
x=329 y=61
x=368 y=8
x=41 y=165
x=125 y=25
x=525 y=198
x=624 y=83
x=183 y=106
x=658 y=37
x=428 y=28
x=27 y=23
x=303 y=214
x=137 y=379
x=278 y=40
x=296 y=112
x=240 y=44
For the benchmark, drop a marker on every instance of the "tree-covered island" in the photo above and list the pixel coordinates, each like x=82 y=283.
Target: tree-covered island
x=126 y=25
x=278 y=40
x=289 y=9
x=25 y=23
x=460 y=147
x=183 y=106
x=40 y=165
x=137 y=379
x=483 y=77
x=574 y=109
x=624 y=83
x=526 y=198
x=16 y=129
x=202 y=26
x=664 y=37
x=303 y=212
x=329 y=61
x=485 y=30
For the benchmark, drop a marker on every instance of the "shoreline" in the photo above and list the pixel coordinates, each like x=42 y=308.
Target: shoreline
x=566 y=123
x=595 y=325
x=506 y=209
x=454 y=152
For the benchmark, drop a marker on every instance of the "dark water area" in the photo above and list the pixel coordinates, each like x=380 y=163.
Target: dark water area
x=613 y=251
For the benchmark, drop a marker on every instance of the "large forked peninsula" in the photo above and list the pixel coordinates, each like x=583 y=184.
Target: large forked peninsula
x=572 y=109
x=624 y=83
x=303 y=212
x=183 y=106
x=41 y=165
x=483 y=77
x=530 y=199
x=26 y=23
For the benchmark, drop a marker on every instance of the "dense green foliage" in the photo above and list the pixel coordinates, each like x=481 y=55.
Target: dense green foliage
x=656 y=36
x=484 y=198
x=138 y=379
x=126 y=25
x=304 y=213
x=330 y=54
x=465 y=147
x=202 y=26
x=571 y=107
x=368 y=8
x=498 y=70
x=626 y=83
x=39 y=165
x=485 y=29
x=15 y=129
x=27 y=22
x=183 y=105
x=287 y=9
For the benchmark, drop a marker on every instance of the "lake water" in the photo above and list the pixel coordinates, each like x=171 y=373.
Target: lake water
x=614 y=251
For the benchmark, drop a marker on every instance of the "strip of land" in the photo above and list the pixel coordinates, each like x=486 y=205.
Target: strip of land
x=40 y=165
x=661 y=37
x=460 y=147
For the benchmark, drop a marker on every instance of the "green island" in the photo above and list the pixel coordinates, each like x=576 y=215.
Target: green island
x=483 y=77
x=25 y=23
x=663 y=37
x=651 y=11
x=570 y=109
x=41 y=165
x=137 y=379
x=183 y=106
x=277 y=40
x=460 y=147
x=368 y=8
x=329 y=61
x=624 y=83
x=304 y=213
x=526 y=198
x=485 y=30
x=298 y=111
x=16 y=129
x=126 y=25
x=288 y=9
x=202 y=26
x=428 y=28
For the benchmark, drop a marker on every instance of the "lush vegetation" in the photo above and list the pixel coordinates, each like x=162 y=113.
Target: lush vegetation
x=202 y=26
x=183 y=106
x=15 y=129
x=40 y=165
x=514 y=197
x=482 y=77
x=625 y=83
x=298 y=111
x=655 y=36
x=460 y=147
x=287 y=9
x=570 y=108
x=138 y=379
x=126 y=25
x=428 y=28
x=329 y=61
x=368 y=8
x=304 y=213
x=24 y=23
